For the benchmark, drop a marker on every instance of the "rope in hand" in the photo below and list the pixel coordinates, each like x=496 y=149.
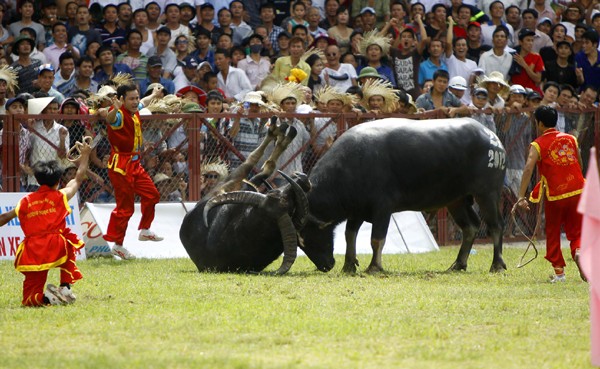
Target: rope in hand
x=532 y=242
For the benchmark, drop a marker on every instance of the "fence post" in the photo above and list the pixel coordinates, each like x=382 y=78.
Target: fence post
x=194 y=157
x=10 y=155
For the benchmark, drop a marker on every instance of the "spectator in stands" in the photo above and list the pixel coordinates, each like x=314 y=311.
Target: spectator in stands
x=439 y=98
x=241 y=29
x=45 y=81
x=540 y=39
x=551 y=91
x=214 y=149
x=496 y=87
x=558 y=34
x=338 y=75
x=232 y=81
x=566 y=121
x=108 y=67
x=313 y=16
x=186 y=74
x=224 y=17
x=212 y=174
x=457 y=63
x=438 y=25
x=244 y=131
x=331 y=7
x=585 y=123
x=561 y=70
x=83 y=35
x=531 y=65
x=479 y=106
x=27 y=10
x=267 y=17
x=173 y=16
x=315 y=82
x=71 y=14
x=59 y=46
x=341 y=31
x=497 y=59
x=184 y=46
x=254 y=65
x=154 y=11
x=513 y=17
x=375 y=48
x=476 y=48
x=405 y=62
x=283 y=40
x=124 y=12
x=488 y=29
x=65 y=73
x=284 y=65
x=112 y=35
x=77 y=130
x=543 y=9
x=140 y=22
x=26 y=68
x=186 y=14
x=225 y=42
x=55 y=141
x=203 y=50
x=429 y=66
x=35 y=53
x=587 y=61
x=82 y=79
x=133 y=57
x=163 y=50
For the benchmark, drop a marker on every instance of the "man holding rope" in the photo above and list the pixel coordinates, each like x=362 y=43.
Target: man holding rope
x=559 y=164
x=125 y=169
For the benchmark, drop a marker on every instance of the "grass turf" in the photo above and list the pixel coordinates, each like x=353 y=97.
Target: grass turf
x=164 y=314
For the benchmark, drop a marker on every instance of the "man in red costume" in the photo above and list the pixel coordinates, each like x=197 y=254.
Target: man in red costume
x=559 y=164
x=125 y=170
x=48 y=242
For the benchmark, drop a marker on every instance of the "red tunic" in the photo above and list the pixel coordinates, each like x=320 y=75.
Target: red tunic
x=42 y=216
x=558 y=166
x=125 y=140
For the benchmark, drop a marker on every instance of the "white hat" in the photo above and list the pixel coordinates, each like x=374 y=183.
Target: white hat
x=254 y=97
x=458 y=83
x=518 y=89
x=159 y=177
x=36 y=106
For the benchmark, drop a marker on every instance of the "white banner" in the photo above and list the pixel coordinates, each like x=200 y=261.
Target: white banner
x=11 y=235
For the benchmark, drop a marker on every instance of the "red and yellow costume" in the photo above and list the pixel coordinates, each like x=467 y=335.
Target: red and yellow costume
x=48 y=242
x=127 y=176
x=562 y=183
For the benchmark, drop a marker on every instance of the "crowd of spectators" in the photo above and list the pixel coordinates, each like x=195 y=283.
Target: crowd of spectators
x=485 y=59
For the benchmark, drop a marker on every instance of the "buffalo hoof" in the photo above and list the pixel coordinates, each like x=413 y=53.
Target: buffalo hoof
x=498 y=267
x=374 y=269
x=349 y=268
x=457 y=267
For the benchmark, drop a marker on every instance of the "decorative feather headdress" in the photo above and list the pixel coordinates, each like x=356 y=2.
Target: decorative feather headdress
x=10 y=76
x=378 y=87
x=327 y=93
x=374 y=38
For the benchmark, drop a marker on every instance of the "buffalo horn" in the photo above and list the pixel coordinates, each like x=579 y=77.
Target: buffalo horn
x=235 y=197
x=288 y=235
x=301 y=211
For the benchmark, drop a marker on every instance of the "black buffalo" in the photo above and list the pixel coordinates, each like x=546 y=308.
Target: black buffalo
x=391 y=165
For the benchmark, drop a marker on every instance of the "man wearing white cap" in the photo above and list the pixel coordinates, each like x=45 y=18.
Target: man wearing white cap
x=381 y=9
x=244 y=131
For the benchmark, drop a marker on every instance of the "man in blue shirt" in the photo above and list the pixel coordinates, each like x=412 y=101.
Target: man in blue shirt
x=433 y=63
x=108 y=68
x=155 y=76
x=587 y=61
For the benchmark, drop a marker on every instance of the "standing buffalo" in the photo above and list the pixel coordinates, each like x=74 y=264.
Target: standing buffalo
x=391 y=165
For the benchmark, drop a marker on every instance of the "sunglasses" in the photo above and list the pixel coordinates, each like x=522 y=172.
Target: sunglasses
x=211 y=176
x=182 y=42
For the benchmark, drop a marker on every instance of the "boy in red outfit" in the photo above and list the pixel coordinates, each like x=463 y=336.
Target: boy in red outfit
x=48 y=242
x=559 y=164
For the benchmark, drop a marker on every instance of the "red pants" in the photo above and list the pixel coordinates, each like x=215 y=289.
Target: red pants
x=33 y=285
x=562 y=212
x=135 y=182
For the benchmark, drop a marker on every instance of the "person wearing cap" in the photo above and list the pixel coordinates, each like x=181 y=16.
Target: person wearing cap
x=82 y=80
x=125 y=170
x=479 y=108
x=498 y=58
x=458 y=86
x=232 y=81
x=543 y=9
x=534 y=100
x=205 y=15
x=475 y=47
x=456 y=61
x=108 y=67
x=45 y=81
x=267 y=17
x=254 y=65
x=540 y=39
x=531 y=64
x=187 y=15
x=155 y=75
x=545 y=26
x=587 y=61
x=558 y=161
x=163 y=50
x=82 y=35
x=25 y=66
x=185 y=75
x=112 y=35
x=172 y=23
x=133 y=57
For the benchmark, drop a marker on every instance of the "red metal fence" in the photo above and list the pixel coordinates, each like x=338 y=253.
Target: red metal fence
x=176 y=146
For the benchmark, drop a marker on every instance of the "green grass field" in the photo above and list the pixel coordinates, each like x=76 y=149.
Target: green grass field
x=164 y=314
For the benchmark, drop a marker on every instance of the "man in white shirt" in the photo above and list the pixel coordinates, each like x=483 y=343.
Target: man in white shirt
x=496 y=19
x=457 y=62
x=254 y=65
x=232 y=81
x=497 y=59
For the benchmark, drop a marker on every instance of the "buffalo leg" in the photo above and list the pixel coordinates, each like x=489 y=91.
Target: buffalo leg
x=465 y=216
x=490 y=211
x=350 y=261
x=378 y=235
